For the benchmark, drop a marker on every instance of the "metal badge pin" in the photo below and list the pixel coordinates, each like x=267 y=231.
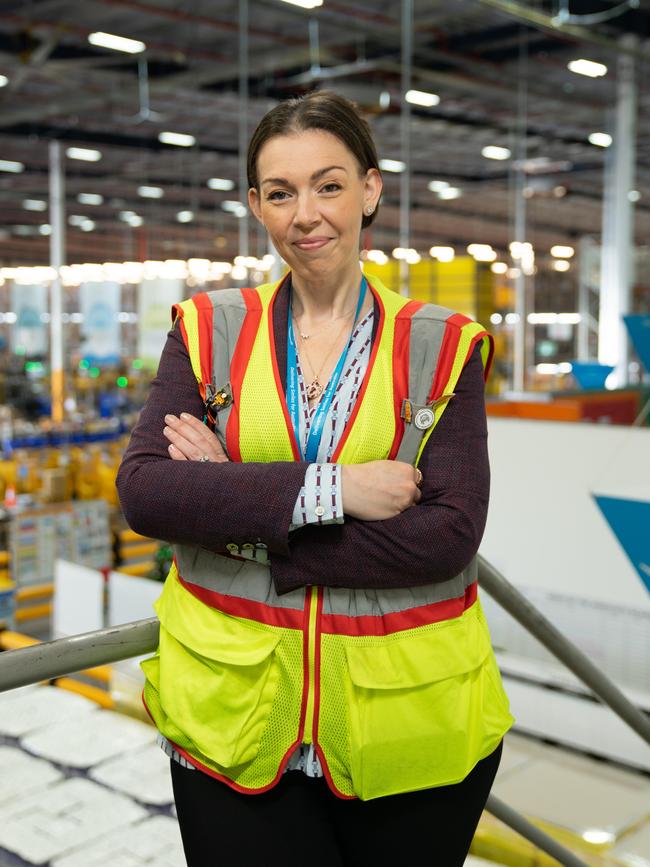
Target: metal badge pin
x=424 y=418
x=407 y=410
x=217 y=398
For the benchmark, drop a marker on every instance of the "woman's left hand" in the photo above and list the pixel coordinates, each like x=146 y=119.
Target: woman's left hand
x=191 y=440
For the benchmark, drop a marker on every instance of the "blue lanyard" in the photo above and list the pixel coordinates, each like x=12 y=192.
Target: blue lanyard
x=293 y=402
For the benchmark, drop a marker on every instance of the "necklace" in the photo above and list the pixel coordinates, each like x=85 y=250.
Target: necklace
x=316 y=387
x=322 y=328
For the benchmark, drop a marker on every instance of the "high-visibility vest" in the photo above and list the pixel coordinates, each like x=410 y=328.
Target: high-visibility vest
x=397 y=689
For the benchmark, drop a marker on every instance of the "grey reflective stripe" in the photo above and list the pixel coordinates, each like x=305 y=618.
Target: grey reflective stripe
x=243 y=579
x=427 y=332
x=229 y=312
x=360 y=603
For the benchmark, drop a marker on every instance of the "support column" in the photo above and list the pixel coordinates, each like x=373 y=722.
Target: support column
x=405 y=141
x=57 y=259
x=520 y=151
x=243 y=124
x=617 y=263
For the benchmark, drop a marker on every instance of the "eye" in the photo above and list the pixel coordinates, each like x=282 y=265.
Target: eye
x=331 y=187
x=277 y=196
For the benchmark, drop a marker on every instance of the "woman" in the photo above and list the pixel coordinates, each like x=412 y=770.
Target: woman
x=325 y=684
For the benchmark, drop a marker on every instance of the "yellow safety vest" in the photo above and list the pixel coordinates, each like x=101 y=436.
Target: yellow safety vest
x=398 y=690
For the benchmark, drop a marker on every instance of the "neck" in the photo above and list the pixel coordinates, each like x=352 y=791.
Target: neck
x=324 y=297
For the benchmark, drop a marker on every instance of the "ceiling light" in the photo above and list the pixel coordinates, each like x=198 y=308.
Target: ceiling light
x=88 y=155
x=634 y=195
x=239 y=272
x=482 y=252
x=4 y=81
x=384 y=99
x=512 y=318
x=45 y=229
x=34 y=205
x=221 y=184
x=519 y=248
x=496 y=319
x=442 y=254
x=126 y=215
x=151 y=192
x=116 y=43
x=377 y=256
x=181 y=139
x=87 y=226
x=185 y=216
x=450 y=193
x=305 y=4
x=90 y=199
x=562 y=252
x=588 y=67
x=236 y=208
x=77 y=219
x=421 y=97
x=437 y=186
x=412 y=256
x=134 y=220
x=561 y=265
x=494 y=152
x=601 y=139
x=11 y=166
x=392 y=165
x=499 y=268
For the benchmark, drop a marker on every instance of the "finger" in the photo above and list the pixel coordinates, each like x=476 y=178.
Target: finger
x=201 y=431
x=187 y=448
x=175 y=454
x=182 y=426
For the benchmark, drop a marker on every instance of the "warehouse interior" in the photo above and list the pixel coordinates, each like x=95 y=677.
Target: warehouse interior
x=516 y=169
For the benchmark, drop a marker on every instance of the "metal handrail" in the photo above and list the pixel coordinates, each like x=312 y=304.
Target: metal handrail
x=516 y=604
x=74 y=653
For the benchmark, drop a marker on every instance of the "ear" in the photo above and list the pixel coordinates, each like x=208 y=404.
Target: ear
x=254 y=204
x=372 y=187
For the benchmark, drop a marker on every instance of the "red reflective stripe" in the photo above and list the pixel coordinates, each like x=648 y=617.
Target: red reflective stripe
x=295 y=448
x=386 y=624
x=447 y=354
x=364 y=385
x=205 y=310
x=238 y=367
x=488 y=365
x=288 y=618
x=401 y=351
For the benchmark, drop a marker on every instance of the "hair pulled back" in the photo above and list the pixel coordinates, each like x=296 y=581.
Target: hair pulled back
x=319 y=110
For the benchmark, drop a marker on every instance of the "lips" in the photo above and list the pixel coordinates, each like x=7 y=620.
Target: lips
x=314 y=243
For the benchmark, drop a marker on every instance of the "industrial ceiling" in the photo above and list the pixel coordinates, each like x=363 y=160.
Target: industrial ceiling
x=498 y=67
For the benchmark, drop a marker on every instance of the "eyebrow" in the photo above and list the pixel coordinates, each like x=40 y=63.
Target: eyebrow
x=313 y=177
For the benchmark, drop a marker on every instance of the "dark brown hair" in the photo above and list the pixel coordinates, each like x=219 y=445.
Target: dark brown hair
x=319 y=110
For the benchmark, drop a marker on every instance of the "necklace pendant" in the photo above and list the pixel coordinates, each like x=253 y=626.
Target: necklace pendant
x=304 y=336
x=314 y=390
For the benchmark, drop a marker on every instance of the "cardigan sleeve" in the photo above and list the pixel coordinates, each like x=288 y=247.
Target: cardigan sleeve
x=430 y=542
x=206 y=504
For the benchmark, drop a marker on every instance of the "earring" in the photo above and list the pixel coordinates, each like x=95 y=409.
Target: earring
x=369 y=210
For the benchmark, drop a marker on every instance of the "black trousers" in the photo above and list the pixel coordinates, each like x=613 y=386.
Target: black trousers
x=300 y=823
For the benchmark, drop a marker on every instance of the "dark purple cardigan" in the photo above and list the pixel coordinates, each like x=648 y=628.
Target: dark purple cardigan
x=212 y=504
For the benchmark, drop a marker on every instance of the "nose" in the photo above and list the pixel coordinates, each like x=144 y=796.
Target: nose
x=306 y=215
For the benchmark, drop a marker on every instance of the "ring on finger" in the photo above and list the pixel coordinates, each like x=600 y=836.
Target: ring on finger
x=418 y=477
x=203 y=459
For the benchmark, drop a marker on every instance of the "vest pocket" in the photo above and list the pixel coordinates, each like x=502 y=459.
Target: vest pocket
x=423 y=707
x=217 y=685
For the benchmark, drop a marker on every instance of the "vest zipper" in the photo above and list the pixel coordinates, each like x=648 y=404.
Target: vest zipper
x=311 y=665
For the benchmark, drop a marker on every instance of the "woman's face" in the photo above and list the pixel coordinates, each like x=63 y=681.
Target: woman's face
x=311 y=200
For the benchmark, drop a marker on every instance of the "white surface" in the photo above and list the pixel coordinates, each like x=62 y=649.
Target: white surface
x=142 y=774
x=78 y=599
x=24 y=774
x=131 y=598
x=571 y=792
x=87 y=741
x=544 y=530
x=156 y=841
x=25 y=711
x=45 y=824
x=576 y=722
x=155 y=299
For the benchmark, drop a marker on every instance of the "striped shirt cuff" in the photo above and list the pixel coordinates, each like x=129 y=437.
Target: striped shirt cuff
x=319 y=500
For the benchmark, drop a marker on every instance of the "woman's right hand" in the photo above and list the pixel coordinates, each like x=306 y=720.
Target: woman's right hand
x=379 y=489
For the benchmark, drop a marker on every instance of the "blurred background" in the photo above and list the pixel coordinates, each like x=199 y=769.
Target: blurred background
x=513 y=139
